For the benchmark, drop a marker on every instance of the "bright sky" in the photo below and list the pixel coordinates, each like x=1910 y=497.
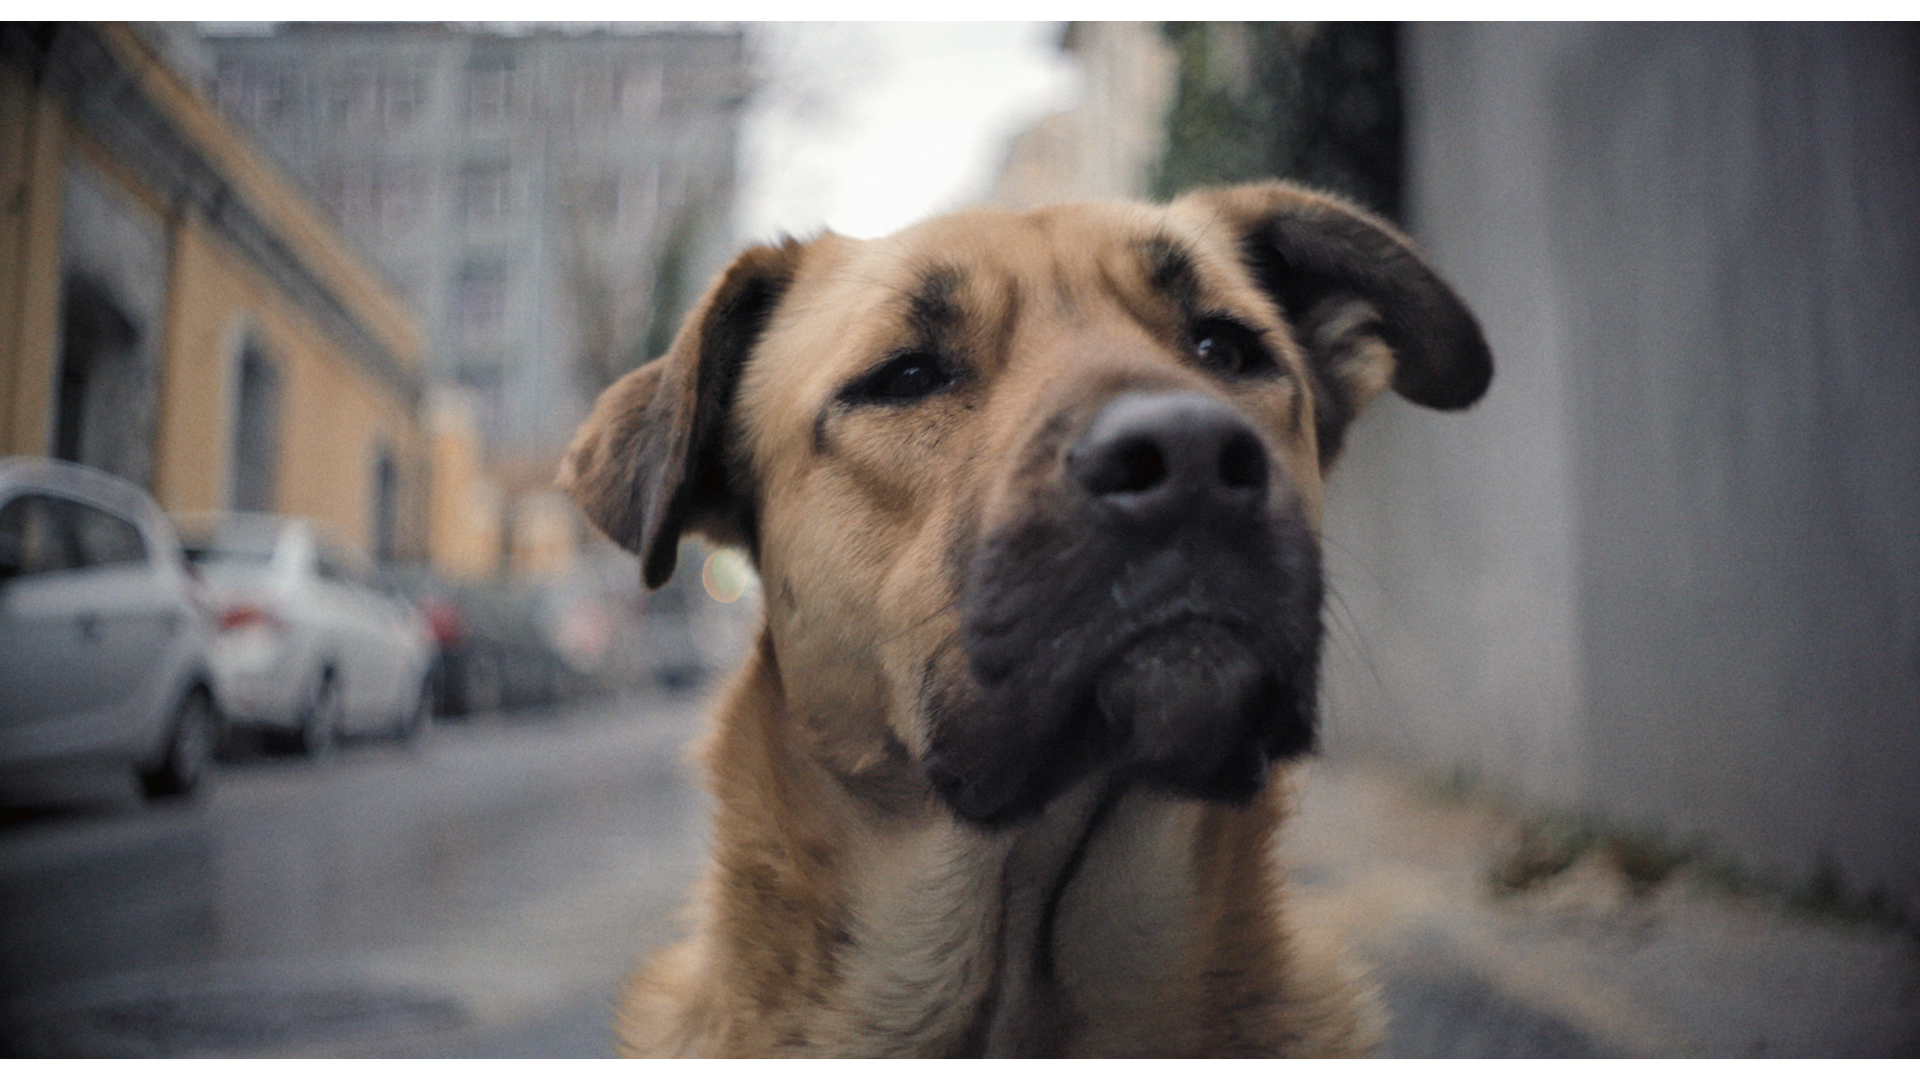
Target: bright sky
x=861 y=127
x=866 y=127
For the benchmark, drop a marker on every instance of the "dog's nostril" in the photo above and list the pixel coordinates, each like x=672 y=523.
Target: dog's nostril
x=1160 y=457
x=1243 y=462
x=1134 y=466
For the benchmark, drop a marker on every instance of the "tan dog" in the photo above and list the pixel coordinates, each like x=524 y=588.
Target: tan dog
x=1034 y=499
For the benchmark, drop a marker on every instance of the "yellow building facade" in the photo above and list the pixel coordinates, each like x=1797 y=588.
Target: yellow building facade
x=173 y=310
x=467 y=510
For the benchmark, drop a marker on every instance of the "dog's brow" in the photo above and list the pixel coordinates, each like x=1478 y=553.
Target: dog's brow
x=934 y=307
x=1170 y=271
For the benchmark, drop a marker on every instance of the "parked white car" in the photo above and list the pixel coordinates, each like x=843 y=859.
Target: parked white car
x=308 y=650
x=103 y=633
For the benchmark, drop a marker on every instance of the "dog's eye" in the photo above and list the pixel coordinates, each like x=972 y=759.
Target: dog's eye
x=907 y=377
x=1230 y=349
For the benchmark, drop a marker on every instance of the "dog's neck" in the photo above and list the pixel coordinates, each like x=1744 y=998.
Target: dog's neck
x=1020 y=942
x=1069 y=932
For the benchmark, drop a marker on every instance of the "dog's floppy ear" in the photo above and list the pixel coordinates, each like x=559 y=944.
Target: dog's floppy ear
x=1365 y=306
x=651 y=460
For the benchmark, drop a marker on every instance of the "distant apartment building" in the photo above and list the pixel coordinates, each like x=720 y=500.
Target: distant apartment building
x=545 y=199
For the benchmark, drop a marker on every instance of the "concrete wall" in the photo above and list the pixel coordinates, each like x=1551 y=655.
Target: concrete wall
x=1670 y=568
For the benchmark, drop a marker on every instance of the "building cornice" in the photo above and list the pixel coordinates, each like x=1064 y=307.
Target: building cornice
x=107 y=99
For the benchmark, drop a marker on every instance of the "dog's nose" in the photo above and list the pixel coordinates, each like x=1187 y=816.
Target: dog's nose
x=1167 y=456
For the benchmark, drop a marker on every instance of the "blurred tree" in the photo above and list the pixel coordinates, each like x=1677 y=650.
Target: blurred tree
x=602 y=314
x=669 y=286
x=1313 y=102
x=625 y=314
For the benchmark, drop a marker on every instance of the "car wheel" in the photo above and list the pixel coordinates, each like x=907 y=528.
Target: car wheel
x=190 y=748
x=419 y=717
x=485 y=683
x=326 y=715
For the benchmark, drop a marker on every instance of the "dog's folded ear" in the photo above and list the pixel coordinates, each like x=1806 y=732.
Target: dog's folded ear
x=1367 y=309
x=651 y=460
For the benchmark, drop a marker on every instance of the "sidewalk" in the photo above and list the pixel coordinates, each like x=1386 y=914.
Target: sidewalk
x=1576 y=965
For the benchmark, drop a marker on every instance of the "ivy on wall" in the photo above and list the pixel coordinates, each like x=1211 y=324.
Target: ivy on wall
x=1313 y=102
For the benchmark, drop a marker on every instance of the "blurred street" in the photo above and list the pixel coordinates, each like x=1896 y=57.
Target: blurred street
x=483 y=891
x=480 y=892
x=299 y=320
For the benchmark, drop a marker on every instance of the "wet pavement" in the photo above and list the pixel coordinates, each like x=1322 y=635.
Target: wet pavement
x=480 y=892
x=483 y=892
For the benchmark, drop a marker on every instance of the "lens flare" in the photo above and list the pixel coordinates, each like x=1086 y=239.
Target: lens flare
x=726 y=575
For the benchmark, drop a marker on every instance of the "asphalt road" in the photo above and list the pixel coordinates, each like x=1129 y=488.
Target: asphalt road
x=483 y=891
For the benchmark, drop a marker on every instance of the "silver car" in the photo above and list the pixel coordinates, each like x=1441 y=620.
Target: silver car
x=103 y=636
x=308 y=650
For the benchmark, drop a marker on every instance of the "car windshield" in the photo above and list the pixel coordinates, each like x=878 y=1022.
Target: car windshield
x=234 y=542
x=202 y=554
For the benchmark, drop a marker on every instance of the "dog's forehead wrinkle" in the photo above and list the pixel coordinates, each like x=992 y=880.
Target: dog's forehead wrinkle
x=1065 y=303
x=934 y=303
x=1008 y=299
x=1170 y=266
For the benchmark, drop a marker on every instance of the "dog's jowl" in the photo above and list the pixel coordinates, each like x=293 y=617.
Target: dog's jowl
x=1035 y=502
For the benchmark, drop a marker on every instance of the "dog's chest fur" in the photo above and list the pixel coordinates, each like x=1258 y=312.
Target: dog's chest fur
x=1137 y=925
x=1054 y=938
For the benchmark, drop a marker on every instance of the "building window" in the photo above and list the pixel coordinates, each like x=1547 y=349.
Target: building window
x=623 y=201
x=490 y=89
x=640 y=200
x=385 y=97
x=596 y=91
x=255 y=450
x=484 y=191
x=480 y=298
x=400 y=96
x=399 y=196
x=386 y=507
x=598 y=198
x=113 y=276
x=641 y=91
x=252 y=94
x=362 y=195
x=347 y=95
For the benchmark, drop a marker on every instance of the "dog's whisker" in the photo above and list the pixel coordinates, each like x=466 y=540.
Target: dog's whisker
x=1343 y=631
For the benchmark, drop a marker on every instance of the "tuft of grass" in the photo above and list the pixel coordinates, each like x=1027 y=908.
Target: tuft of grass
x=1542 y=849
x=1824 y=894
x=1645 y=857
x=1547 y=842
x=1724 y=875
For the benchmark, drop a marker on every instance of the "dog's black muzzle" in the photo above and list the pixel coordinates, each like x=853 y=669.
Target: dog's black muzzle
x=1157 y=613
